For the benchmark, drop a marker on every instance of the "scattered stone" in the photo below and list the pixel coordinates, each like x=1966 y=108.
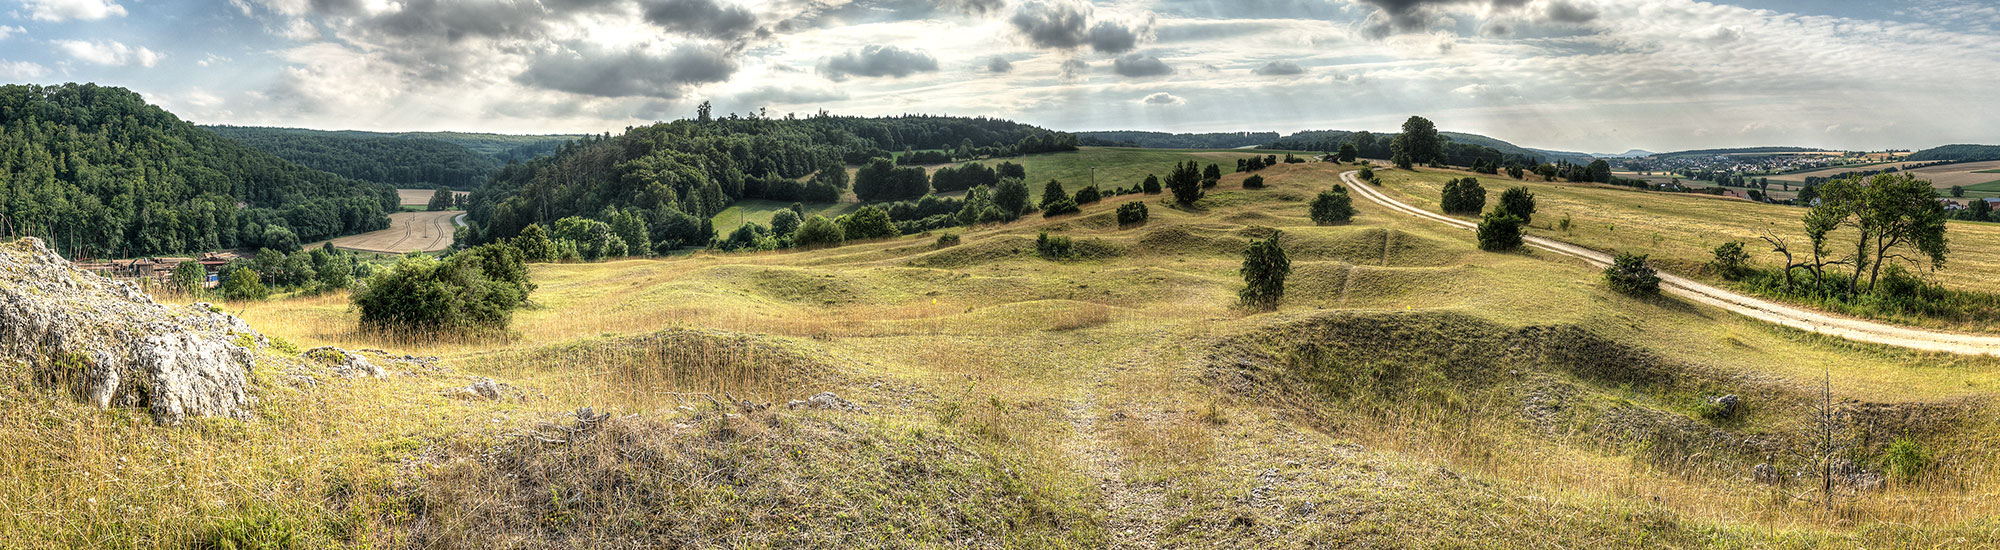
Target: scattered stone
x=824 y=401
x=109 y=344
x=485 y=388
x=346 y=363
x=1726 y=404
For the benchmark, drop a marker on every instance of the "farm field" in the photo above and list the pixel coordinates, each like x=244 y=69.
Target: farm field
x=1800 y=177
x=1968 y=174
x=407 y=232
x=421 y=197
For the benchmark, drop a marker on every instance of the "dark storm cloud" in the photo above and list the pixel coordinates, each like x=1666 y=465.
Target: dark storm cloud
x=1137 y=65
x=707 y=18
x=628 y=73
x=878 y=61
x=1058 y=25
x=1280 y=68
x=1110 y=37
x=999 y=65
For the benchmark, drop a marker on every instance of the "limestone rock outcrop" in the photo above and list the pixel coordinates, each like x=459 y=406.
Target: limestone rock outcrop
x=108 y=343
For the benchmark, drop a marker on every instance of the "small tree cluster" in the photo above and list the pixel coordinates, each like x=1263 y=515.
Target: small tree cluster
x=1255 y=181
x=1211 y=175
x=1265 y=267
x=1152 y=185
x=1132 y=213
x=442 y=199
x=1332 y=206
x=1463 y=196
x=1055 y=201
x=1088 y=195
x=1632 y=275
x=818 y=232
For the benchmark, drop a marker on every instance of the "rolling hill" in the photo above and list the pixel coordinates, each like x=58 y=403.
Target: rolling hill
x=1962 y=153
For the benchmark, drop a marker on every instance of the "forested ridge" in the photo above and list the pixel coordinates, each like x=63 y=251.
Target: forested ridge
x=407 y=160
x=1961 y=153
x=1460 y=149
x=673 y=176
x=97 y=172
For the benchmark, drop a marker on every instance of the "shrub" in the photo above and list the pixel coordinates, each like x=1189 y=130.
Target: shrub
x=189 y=278
x=1011 y=196
x=947 y=240
x=784 y=222
x=1632 y=275
x=1265 y=267
x=1332 y=206
x=1519 y=202
x=474 y=290
x=1731 y=261
x=1905 y=459
x=1152 y=185
x=1367 y=174
x=1499 y=231
x=242 y=284
x=1464 y=196
x=1054 y=247
x=262 y=529
x=817 y=232
x=1253 y=182
x=1132 y=213
x=1211 y=175
x=1052 y=192
x=1059 y=207
x=1088 y=195
x=868 y=223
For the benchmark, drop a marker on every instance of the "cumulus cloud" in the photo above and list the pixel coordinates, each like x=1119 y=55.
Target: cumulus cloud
x=1280 y=68
x=1138 y=65
x=628 y=73
x=109 y=52
x=707 y=18
x=878 y=61
x=1162 y=98
x=1399 y=16
x=1052 y=24
x=6 y=31
x=1563 y=11
x=65 y=10
x=999 y=65
x=15 y=71
x=1110 y=37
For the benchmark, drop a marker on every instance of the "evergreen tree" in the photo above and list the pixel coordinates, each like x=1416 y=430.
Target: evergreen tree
x=1332 y=206
x=1518 y=202
x=1265 y=267
x=1185 y=182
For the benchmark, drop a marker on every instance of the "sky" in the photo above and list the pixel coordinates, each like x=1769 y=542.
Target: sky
x=1599 y=76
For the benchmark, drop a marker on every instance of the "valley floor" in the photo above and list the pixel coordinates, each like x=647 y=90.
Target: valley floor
x=1412 y=391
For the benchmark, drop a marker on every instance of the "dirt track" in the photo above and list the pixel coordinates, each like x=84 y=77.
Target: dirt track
x=1755 y=308
x=407 y=232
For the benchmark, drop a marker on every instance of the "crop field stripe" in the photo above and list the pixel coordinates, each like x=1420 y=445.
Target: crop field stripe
x=1762 y=310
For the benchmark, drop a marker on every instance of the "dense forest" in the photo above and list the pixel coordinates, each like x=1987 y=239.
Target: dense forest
x=1377 y=146
x=97 y=172
x=1961 y=153
x=1163 y=140
x=674 y=176
x=415 y=160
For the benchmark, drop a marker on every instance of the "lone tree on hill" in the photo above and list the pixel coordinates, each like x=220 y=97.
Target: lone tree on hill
x=1185 y=182
x=1418 y=144
x=1211 y=175
x=1348 y=153
x=1519 y=202
x=1332 y=206
x=1265 y=267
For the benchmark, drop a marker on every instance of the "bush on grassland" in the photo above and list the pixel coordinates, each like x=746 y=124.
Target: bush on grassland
x=474 y=290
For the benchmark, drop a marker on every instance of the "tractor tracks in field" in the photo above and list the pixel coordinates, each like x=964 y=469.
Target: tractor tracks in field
x=1756 y=308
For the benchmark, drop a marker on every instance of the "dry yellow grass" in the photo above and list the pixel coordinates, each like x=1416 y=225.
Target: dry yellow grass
x=1010 y=401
